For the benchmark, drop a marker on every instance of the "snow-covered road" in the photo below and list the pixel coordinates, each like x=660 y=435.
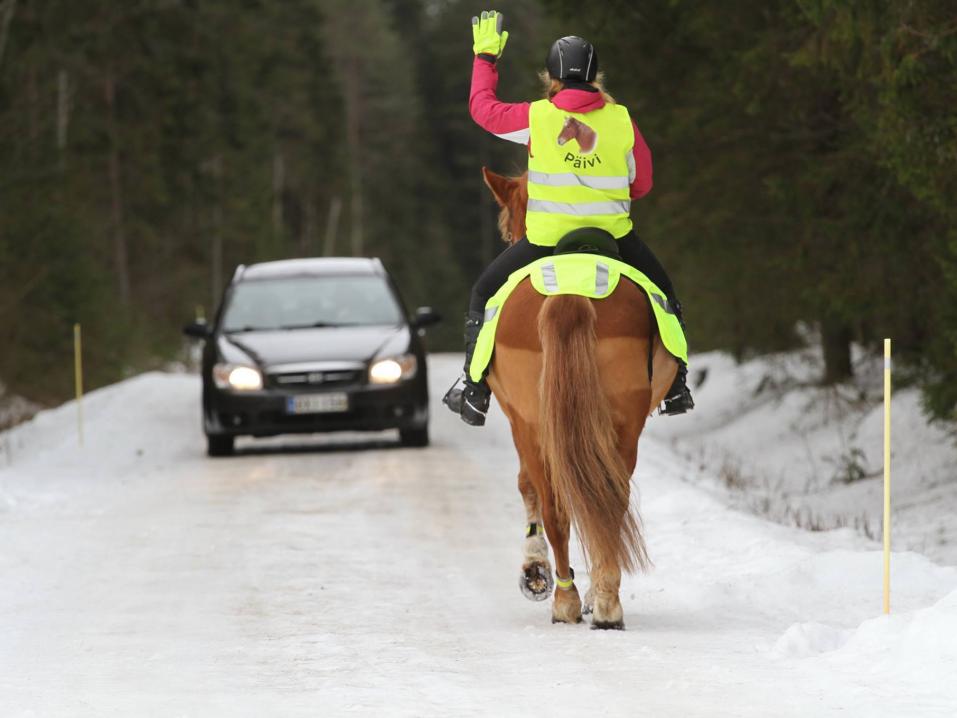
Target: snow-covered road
x=349 y=576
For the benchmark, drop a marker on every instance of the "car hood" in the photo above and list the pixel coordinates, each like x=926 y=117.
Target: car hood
x=348 y=344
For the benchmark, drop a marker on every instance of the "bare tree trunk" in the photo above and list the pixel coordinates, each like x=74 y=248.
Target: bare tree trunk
x=307 y=236
x=62 y=115
x=216 y=238
x=120 y=254
x=836 y=339
x=486 y=229
x=332 y=226
x=33 y=100
x=278 y=188
x=353 y=142
x=6 y=17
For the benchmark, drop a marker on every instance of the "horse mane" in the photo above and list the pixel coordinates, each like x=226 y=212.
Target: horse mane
x=504 y=216
x=511 y=195
x=513 y=207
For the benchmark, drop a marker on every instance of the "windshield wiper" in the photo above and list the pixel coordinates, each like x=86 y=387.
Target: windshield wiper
x=248 y=328
x=315 y=325
x=287 y=327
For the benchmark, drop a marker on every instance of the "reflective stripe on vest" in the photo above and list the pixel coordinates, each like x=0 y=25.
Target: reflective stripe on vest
x=578 y=171
x=548 y=277
x=601 y=278
x=583 y=209
x=570 y=179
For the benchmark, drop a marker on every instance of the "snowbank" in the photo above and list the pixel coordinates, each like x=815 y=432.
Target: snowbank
x=925 y=637
x=775 y=443
x=124 y=423
x=916 y=649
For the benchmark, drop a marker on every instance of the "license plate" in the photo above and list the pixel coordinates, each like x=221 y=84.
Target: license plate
x=317 y=403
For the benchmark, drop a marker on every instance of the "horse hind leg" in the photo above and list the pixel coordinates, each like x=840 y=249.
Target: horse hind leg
x=535 y=580
x=610 y=614
x=605 y=605
x=601 y=600
x=567 y=606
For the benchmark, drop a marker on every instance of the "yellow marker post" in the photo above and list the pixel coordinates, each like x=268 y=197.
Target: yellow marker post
x=78 y=378
x=887 y=476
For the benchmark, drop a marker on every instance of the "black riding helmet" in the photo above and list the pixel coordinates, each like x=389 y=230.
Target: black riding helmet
x=572 y=58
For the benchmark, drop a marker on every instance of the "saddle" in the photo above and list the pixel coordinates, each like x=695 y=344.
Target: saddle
x=588 y=240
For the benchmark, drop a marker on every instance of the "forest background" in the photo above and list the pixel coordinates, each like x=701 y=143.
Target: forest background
x=805 y=165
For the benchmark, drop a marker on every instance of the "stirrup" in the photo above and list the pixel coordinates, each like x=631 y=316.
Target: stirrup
x=454 y=397
x=471 y=402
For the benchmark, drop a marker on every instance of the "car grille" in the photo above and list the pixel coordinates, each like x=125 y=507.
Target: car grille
x=316 y=379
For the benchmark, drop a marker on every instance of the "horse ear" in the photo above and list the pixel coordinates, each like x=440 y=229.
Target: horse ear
x=500 y=186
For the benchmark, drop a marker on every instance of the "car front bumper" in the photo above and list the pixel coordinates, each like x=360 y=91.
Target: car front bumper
x=263 y=413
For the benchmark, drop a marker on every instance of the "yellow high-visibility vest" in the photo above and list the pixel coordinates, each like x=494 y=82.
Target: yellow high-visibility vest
x=578 y=171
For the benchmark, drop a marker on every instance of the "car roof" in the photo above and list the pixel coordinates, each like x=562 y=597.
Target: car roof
x=313 y=267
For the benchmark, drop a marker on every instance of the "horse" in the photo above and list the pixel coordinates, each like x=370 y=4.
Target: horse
x=576 y=391
x=577 y=130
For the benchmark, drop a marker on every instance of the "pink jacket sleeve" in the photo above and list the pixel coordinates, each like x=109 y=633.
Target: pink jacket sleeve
x=508 y=120
x=642 y=181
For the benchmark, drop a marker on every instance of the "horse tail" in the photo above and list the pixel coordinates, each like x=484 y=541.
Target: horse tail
x=578 y=438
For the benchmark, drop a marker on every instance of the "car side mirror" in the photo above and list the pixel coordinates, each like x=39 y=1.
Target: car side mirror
x=197 y=330
x=425 y=317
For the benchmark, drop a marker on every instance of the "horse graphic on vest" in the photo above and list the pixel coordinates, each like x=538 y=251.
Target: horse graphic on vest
x=577 y=130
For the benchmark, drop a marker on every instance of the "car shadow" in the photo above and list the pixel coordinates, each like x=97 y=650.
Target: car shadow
x=322 y=445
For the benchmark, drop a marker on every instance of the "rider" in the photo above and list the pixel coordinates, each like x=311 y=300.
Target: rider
x=574 y=88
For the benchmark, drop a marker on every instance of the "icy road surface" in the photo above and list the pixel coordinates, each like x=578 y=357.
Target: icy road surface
x=347 y=576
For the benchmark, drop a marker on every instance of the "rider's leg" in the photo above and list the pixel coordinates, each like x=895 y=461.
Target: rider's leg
x=639 y=255
x=471 y=401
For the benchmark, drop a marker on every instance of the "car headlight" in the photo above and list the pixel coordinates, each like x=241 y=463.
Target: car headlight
x=393 y=369
x=237 y=377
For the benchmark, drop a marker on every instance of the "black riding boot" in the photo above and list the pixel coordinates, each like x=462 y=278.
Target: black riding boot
x=472 y=400
x=678 y=399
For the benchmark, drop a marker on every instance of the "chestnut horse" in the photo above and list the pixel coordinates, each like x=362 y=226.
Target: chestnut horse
x=576 y=391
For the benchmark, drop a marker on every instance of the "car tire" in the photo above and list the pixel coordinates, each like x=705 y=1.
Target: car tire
x=219 y=445
x=417 y=436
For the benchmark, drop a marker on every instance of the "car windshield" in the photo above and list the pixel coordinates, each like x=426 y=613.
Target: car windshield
x=302 y=302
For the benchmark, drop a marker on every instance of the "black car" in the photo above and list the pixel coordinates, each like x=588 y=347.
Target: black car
x=310 y=345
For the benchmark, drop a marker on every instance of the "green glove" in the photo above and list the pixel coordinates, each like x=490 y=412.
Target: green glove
x=487 y=34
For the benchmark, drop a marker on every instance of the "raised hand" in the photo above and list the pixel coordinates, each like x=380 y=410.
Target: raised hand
x=487 y=35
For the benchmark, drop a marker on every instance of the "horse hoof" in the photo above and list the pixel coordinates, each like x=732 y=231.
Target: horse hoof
x=558 y=620
x=536 y=582
x=608 y=625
